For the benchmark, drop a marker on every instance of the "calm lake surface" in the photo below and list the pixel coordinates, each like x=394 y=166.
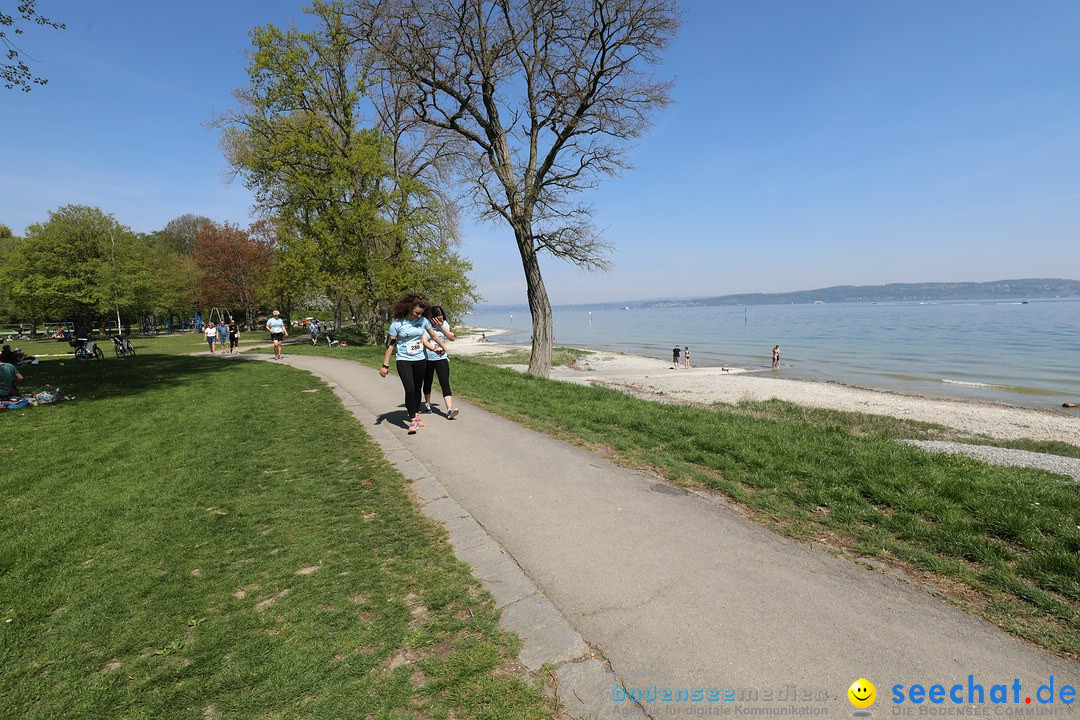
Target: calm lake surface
x=1006 y=351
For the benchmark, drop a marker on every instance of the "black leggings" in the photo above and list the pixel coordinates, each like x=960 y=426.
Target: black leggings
x=441 y=366
x=411 y=373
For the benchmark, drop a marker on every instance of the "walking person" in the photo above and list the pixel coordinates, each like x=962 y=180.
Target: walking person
x=276 y=327
x=222 y=335
x=210 y=331
x=234 y=336
x=439 y=365
x=776 y=356
x=314 y=327
x=675 y=352
x=409 y=335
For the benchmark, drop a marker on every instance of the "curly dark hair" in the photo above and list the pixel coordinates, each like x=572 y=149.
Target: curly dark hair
x=406 y=303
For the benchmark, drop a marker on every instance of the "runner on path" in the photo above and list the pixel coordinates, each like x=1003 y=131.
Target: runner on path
x=439 y=365
x=276 y=327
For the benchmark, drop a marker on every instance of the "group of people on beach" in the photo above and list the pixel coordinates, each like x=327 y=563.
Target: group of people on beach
x=676 y=353
x=218 y=333
x=685 y=354
x=417 y=338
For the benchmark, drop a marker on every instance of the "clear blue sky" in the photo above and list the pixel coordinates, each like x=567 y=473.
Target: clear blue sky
x=810 y=143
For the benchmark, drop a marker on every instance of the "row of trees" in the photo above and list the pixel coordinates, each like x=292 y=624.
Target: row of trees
x=82 y=265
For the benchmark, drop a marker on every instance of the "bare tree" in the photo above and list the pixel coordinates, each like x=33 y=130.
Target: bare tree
x=539 y=98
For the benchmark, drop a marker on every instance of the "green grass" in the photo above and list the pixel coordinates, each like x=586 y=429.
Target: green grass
x=200 y=538
x=175 y=344
x=1002 y=542
x=559 y=356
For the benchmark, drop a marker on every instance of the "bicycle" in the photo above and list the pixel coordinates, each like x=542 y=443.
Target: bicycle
x=86 y=349
x=122 y=346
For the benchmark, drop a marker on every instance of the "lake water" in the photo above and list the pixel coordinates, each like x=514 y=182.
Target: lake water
x=1006 y=351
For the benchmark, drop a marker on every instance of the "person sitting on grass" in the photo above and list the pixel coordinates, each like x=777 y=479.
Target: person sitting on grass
x=9 y=375
x=16 y=356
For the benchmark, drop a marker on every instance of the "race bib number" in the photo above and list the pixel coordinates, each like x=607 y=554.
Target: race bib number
x=413 y=347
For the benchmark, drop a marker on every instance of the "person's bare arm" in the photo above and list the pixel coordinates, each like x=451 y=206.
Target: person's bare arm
x=390 y=345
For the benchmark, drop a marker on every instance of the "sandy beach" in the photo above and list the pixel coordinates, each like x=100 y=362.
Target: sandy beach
x=658 y=380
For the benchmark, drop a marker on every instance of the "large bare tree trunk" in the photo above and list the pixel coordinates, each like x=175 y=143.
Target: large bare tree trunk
x=539 y=306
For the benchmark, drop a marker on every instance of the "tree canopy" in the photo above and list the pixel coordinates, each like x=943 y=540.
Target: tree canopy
x=350 y=222
x=538 y=99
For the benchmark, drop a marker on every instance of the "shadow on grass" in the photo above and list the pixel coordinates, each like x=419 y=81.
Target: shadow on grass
x=113 y=377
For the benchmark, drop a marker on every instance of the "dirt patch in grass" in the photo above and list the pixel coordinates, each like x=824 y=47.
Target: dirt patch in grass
x=263 y=605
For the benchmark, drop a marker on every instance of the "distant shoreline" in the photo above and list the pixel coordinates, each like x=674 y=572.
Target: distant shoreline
x=1031 y=289
x=655 y=379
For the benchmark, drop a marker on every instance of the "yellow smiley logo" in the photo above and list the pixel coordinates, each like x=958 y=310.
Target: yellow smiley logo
x=862 y=693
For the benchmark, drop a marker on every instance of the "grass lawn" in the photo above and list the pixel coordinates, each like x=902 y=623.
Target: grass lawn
x=175 y=344
x=1001 y=542
x=198 y=538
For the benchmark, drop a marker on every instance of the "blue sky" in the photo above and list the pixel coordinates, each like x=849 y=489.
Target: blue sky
x=810 y=143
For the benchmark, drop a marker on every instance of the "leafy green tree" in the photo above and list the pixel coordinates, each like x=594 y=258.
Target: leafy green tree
x=180 y=233
x=539 y=97
x=27 y=297
x=82 y=264
x=15 y=72
x=175 y=288
x=324 y=174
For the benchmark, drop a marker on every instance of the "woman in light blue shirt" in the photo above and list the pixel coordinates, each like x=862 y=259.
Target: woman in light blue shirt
x=439 y=365
x=410 y=333
x=276 y=327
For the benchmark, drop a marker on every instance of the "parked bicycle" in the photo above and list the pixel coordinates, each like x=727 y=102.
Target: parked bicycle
x=122 y=346
x=86 y=349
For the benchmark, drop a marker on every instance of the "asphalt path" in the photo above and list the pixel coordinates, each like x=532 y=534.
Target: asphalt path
x=678 y=590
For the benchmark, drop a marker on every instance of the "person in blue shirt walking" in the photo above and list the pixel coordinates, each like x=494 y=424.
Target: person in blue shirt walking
x=439 y=365
x=410 y=333
x=222 y=335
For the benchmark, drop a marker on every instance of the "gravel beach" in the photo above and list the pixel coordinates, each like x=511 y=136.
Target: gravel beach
x=655 y=378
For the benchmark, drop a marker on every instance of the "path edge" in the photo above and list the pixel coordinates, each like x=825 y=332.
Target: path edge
x=582 y=676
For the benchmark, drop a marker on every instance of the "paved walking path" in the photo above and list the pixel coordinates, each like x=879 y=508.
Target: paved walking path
x=672 y=588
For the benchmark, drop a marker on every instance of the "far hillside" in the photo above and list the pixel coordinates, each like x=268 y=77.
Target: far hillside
x=1025 y=289
x=899 y=292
